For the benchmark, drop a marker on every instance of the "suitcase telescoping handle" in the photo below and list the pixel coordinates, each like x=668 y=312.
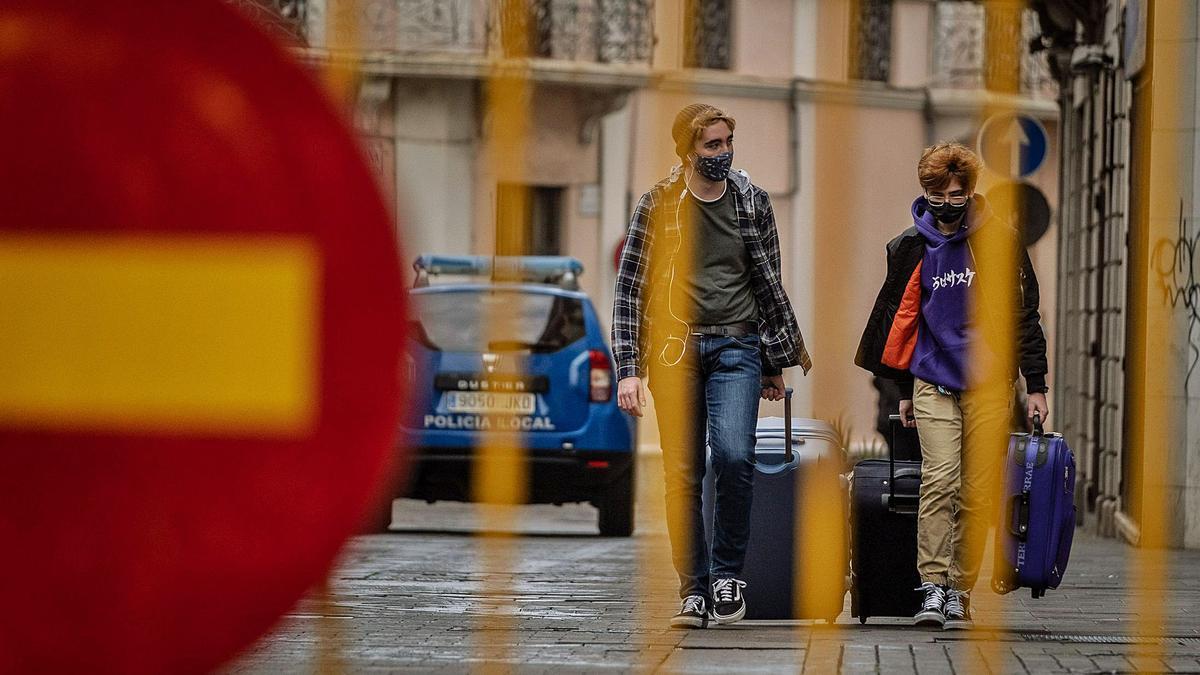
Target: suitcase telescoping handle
x=787 y=425
x=1018 y=504
x=890 y=497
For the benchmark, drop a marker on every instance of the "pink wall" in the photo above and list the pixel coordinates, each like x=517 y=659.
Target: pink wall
x=762 y=37
x=864 y=181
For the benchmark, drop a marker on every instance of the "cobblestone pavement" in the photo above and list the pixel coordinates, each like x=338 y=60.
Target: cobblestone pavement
x=456 y=589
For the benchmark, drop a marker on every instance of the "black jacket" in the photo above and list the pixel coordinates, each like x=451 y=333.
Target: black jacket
x=904 y=253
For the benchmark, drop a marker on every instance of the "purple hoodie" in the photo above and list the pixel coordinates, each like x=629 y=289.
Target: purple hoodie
x=947 y=276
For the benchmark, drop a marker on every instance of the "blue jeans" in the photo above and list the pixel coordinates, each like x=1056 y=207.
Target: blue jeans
x=715 y=388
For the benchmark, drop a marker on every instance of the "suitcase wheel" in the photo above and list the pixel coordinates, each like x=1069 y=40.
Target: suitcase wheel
x=1037 y=592
x=862 y=619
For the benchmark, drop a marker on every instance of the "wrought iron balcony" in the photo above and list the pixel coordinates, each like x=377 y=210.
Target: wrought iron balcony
x=282 y=18
x=960 y=50
x=596 y=31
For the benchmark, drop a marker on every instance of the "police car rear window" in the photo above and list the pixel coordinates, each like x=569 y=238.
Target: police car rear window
x=497 y=321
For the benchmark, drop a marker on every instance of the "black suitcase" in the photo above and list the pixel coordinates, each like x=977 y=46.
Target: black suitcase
x=796 y=560
x=884 y=494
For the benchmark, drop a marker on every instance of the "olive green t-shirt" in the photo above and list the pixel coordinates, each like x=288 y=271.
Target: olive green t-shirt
x=718 y=287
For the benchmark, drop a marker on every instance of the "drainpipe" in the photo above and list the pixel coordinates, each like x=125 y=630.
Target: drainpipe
x=793 y=142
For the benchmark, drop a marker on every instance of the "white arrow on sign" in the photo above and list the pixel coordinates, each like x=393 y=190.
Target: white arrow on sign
x=1017 y=139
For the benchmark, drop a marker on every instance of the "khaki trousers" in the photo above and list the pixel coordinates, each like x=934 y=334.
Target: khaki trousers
x=963 y=440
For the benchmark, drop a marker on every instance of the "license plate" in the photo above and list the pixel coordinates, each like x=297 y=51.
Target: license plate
x=490 y=402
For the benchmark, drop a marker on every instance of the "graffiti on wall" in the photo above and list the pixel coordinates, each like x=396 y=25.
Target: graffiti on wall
x=1178 y=268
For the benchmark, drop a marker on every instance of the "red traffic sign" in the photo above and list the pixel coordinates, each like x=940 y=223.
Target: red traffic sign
x=200 y=318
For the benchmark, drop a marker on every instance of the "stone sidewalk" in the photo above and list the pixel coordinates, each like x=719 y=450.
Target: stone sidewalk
x=449 y=591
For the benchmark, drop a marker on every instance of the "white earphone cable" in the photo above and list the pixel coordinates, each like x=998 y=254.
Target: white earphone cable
x=671 y=338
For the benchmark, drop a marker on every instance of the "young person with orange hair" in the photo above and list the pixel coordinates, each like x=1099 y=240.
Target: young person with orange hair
x=929 y=331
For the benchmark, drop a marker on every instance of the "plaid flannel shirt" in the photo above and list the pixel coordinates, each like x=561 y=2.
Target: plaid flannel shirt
x=656 y=216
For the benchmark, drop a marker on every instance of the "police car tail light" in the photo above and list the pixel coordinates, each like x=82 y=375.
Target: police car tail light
x=600 y=381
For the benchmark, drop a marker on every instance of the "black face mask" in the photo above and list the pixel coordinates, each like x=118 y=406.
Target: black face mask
x=948 y=213
x=715 y=168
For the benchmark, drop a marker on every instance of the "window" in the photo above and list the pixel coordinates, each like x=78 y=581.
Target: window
x=457 y=321
x=962 y=31
x=528 y=220
x=871 y=40
x=707 y=34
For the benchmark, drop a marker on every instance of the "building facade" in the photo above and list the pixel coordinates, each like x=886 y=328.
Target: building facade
x=1129 y=402
x=835 y=100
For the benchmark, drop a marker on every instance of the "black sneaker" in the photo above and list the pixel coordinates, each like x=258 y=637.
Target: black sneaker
x=931 y=612
x=728 y=604
x=958 y=611
x=692 y=613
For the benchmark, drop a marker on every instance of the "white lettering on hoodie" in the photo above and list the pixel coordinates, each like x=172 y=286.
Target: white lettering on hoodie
x=953 y=278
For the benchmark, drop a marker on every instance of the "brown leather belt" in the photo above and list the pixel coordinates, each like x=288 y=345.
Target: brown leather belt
x=728 y=330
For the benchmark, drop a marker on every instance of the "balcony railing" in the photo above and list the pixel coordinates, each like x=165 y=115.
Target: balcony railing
x=604 y=31
x=282 y=18
x=598 y=31
x=960 y=50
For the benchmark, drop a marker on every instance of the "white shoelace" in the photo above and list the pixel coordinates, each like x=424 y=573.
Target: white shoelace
x=933 y=600
x=693 y=604
x=955 y=606
x=727 y=590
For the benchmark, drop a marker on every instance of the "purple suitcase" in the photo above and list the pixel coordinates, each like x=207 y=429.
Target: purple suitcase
x=1037 y=521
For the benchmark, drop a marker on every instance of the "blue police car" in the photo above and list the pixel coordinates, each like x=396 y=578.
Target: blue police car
x=508 y=353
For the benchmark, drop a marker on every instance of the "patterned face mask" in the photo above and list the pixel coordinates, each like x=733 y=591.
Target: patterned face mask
x=715 y=168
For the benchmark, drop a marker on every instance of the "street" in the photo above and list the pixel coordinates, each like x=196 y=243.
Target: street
x=547 y=595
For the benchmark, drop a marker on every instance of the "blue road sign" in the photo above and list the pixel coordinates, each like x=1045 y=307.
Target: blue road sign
x=1013 y=145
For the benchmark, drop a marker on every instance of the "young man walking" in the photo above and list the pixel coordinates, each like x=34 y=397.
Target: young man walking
x=933 y=330
x=700 y=308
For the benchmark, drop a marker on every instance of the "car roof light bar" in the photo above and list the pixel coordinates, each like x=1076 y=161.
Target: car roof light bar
x=561 y=270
